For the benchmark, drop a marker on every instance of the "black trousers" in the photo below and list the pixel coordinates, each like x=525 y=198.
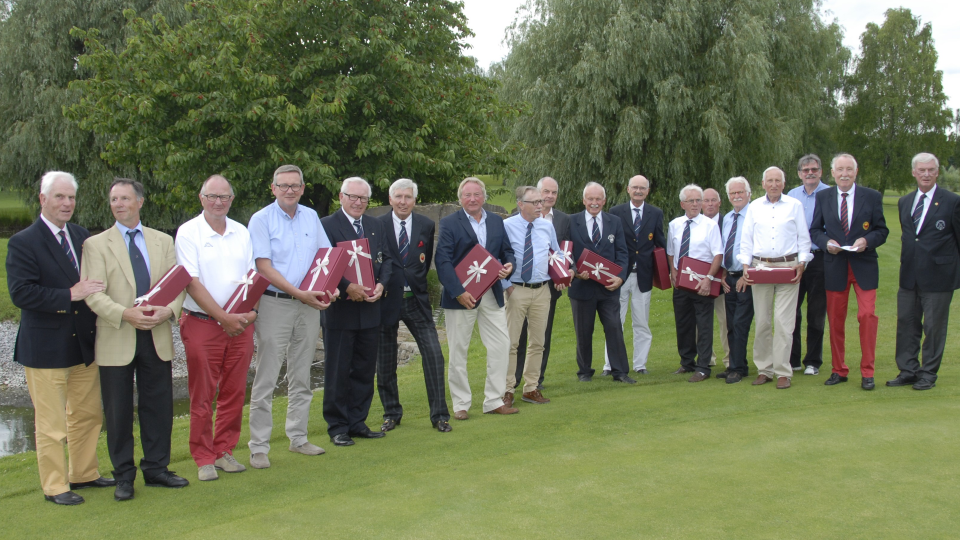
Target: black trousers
x=154 y=379
x=694 y=317
x=927 y=313
x=522 y=346
x=424 y=330
x=350 y=365
x=739 y=307
x=585 y=314
x=812 y=288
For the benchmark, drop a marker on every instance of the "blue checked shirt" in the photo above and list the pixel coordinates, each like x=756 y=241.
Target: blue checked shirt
x=543 y=239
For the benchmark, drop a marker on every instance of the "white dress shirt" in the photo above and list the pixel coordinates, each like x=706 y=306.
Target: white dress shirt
x=850 y=197
x=408 y=222
x=56 y=233
x=217 y=261
x=589 y=222
x=926 y=205
x=774 y=230
x=705 y=243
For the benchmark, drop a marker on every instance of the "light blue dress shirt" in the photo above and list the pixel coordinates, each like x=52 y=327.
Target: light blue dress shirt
x=735 y=266
x=543 y=238
x=809 y=202
x=479 y=229
x=138 y=240
x=289 y=243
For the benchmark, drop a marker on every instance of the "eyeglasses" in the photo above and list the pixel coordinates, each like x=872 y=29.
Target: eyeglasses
x=808 y=170
x=537 y=202
x=694 y=200
x=223 y=198
x=289 y=187
x=355 y=198
x=638 y=188
x=736 y=193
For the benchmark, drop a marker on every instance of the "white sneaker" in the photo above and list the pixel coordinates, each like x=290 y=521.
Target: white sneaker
x=228 y=463
x=811 y=370
x=259 y=460
x=207 y=473
x=307 y=449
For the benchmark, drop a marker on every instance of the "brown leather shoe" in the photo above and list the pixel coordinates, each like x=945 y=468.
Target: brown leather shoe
x=508 y=399
x=783 y=383
x=461 y=415
x=697 y=377
x=534 y=397
x=682 y=370
x=503 y=409
x=761 y=379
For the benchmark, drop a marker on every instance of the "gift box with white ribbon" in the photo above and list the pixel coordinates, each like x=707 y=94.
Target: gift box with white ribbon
x=478 y=271
x=767 y=275
x=560 y=263
x=166 y=290
x=601 y=270
x=329 y=265
x=359 y=267
x=691 y=271
x=248 y=293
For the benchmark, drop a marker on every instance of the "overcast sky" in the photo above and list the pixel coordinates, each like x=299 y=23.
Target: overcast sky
x=489 y=19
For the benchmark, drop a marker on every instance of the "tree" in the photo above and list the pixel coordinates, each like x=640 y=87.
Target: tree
x=340 y=88
x=682 y=91
x=896 y=105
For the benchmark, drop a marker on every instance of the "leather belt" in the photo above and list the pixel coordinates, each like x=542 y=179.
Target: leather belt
x=788 y=258
x=531 y=285
x=281 y=295
x=735 y=274
x=199 y=315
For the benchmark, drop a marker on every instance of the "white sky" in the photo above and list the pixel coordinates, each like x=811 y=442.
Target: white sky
x=488 y=19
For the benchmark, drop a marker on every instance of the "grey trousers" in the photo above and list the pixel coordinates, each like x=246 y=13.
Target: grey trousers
x=926 y=312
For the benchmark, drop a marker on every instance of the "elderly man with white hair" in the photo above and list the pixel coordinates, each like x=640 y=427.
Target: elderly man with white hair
x=738 y=297
x=774 y=234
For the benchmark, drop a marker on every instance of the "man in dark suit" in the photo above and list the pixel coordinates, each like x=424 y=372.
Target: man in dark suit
x=848 y=224
x=643 y=224
x=459 y=233
x=55 y=341
x=410 y=242
x=602 y=234
x=351 y=327
x=549 y=189
x=929 y=273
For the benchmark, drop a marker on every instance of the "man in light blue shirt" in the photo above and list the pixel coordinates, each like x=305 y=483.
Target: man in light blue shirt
x=737 y=295
x=812 y=283
x=528 y=290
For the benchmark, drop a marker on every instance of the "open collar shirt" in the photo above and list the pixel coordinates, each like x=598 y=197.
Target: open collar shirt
x=217 y=261
x=774 y=230
x=289 y=242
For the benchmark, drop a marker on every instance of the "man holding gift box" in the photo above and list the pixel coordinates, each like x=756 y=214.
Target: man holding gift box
x=459 y=233
x=696 y=236
x=129 y=258
x=643 y=224
x=848 y=224
x=407 y=299
x=737 y=294
x=217 y=253
x=285 y=235
x=775 y=235
x=602 y=234
x=351 y=328
x=528 y=291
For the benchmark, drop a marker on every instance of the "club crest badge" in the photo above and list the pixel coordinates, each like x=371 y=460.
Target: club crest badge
x=941 y=224
x=610 y=238
x=379 y=257
x=423 y=257
x=650 y=236
x=866 y=225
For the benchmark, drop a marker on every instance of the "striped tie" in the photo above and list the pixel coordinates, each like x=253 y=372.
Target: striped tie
x=917 y=212
x=636 y=222
x=844 y=219
x=66 y=249
x=526 y=274
x=596 y=230
x=404 y=242
x=685 y=240
x=728 y=249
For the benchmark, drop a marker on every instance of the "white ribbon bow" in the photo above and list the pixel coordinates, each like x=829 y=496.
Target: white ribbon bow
x=245 y=283
x=558 y=260
x=145 y=299
x=355 y=255
x=697 y=277
x=600 y=268
x=476 y=270
x=321 y=267
x=761 y=266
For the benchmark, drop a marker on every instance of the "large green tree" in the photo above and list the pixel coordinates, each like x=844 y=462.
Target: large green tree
x=378 y=89
x=896 y=105
x=679 y=90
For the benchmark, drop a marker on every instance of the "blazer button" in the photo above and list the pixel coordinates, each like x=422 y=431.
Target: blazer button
x=74 y=335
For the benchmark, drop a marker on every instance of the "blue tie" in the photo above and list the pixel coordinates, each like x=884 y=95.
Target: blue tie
x=728 y=250
x=918 y=211
x=140 y=272
x=685 y=240
x=66 y=249
x=636 y=223
x=526 y=273
x=359 y=227
x=596 y=231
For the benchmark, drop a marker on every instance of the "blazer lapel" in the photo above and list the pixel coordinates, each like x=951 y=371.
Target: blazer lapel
x=858 y=200
x=122 y=253
x=413 y=234
x=155 y=252
x=56 y=250
x=463 y=217
x=933 y=211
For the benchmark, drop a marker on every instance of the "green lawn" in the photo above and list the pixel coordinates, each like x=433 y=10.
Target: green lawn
x=661 y=459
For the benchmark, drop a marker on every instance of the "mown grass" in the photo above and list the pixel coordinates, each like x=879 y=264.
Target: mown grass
x=661 y=459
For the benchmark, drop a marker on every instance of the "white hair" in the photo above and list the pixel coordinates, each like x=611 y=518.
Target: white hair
x=688 y=187
x=403 y=183
x=734 y=180
x=355 y=180
x=50 y=178
x=783 y=176
x=475 y=180
x=593 y=184
x=924 y=157
x=540 y=182
x=838 y=156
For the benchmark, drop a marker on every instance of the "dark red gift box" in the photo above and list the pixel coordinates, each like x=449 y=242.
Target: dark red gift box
x=601 y=270
x=166 y=290
x=661 y=270
x=359 y=264
x=767 y=275
x=328 y=267
x=560 y=261
x=478 y=271
x=248 y=293
x=691 y=271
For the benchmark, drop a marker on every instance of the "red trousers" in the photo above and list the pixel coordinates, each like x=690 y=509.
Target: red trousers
x=215 y=361
x=866 y=316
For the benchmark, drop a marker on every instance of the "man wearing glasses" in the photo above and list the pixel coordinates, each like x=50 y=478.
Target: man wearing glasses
x=809 y=169
x=285 y=235
x=528 y=291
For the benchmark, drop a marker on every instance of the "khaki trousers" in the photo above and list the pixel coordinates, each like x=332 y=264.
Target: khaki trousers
x=492 y=322
x=775 y=313
x=67 y=407
x=534 y=306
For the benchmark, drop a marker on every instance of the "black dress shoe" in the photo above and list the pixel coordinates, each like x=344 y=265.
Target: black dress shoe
x=867 y=383
x=389 y=424
x=834 y=379
x=902 y=380
x=99 y=482
x=923 y=384
x=124 y=491
x=442 y=426
x=168 y=479
x=68 y=498
x=723 y=374
x=367 y=433
x=605 y=373
x=585 y=378
x=624 y=379
x=734 y=377
x=342 y=439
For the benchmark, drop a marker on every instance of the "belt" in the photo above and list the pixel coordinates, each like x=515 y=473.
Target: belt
x=735 y=274
x=530 y=285
x=281 y=295
x=788 y=258
x=199 y=315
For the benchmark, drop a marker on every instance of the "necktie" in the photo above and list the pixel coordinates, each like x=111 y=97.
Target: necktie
x=358 y=227
x=636 y=222
x=526 y=274
x=844 y=219
x=685 y=240
x=404 y=242
x=140 y=272
x=66 y=249
x=917 y=212
x=728 y=249
x=596 y=231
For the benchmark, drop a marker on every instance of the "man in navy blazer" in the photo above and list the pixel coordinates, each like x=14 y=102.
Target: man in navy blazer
x=459 y=233
x=351 y=327
x=929 y=273
x=848 y=225
x=601 y=233
x=409 y=239
x=643 y=224
x=55 y=343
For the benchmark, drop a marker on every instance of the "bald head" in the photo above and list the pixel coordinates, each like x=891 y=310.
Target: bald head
x=638 y=187
x=711 y=202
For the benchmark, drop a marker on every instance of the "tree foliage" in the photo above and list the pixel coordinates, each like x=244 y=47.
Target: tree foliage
x=681 y=91
x=340 y=88
x=896 y=107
